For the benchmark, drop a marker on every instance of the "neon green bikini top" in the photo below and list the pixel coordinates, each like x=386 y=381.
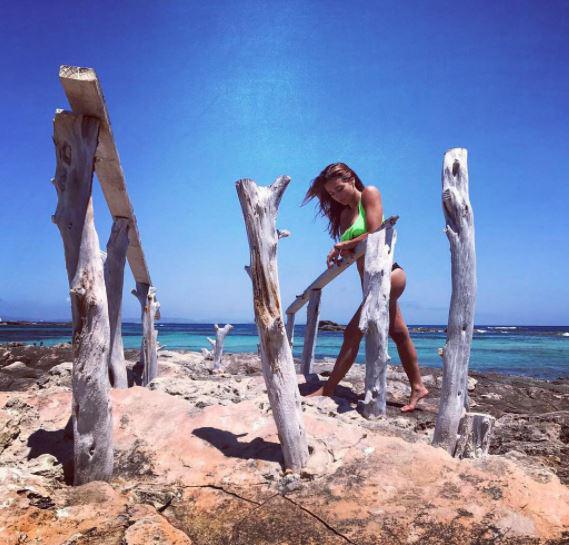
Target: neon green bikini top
x=358 y=227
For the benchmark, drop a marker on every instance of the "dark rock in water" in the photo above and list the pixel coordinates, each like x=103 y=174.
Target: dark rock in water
x=328 y=325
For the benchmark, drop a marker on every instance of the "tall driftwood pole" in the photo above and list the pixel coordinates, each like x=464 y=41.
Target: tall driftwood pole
x=114 y=280
x=374 y=318
x=260 y=207
x=149 y=306
x=75 y=138
x=456 y=353
x=311 y=332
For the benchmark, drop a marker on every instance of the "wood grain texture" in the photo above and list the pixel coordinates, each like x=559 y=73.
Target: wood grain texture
x=474 y=435
x=260 y=208
x=85 y=96
x=75 y=138
x=311 y=332
x=149 y=306
x=456 y=352
x=374 y=319
x=114 y=281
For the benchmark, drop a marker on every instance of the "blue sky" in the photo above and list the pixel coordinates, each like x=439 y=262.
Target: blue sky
x=202 y=94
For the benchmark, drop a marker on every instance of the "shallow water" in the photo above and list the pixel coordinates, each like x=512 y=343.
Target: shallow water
x=536 y=351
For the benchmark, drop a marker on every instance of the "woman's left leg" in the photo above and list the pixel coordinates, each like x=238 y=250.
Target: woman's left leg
x=399 y=332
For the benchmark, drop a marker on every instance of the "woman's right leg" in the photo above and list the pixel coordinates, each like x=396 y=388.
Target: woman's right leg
x=346 y=357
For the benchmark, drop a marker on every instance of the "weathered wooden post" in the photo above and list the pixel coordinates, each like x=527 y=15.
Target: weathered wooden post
x=220 y=333
x=290 y=328
x=146 y=295
x=456 y=352
x=474 y=435
x=311 y=332
x=260 y=207
x=374 y=318
x=75 y=138
x=114 y=281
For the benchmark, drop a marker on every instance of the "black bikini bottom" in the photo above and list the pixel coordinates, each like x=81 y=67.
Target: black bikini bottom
x=396 y=266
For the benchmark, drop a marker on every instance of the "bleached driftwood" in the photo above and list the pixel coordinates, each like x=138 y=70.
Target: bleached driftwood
x=75 y=138
x=456 y=353
x=329 y=274
x=260 y=207
x=114 y=281
x=474 y=435
x=207 y=354
x=374 y=319
x=290 y=328
x=220 y=333
x=85 y=96
x=311 y=332
x=146 y=295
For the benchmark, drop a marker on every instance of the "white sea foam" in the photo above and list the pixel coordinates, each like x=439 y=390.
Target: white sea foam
x=503 y=327
x=566 y=334
x=480 y=331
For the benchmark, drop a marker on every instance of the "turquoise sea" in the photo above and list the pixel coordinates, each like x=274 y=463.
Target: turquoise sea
x=536 y=351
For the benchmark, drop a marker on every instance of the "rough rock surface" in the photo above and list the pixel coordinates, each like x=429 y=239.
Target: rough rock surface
x=197 y=460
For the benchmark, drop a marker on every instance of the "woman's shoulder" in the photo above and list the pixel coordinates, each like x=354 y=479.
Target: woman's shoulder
x=370 y=194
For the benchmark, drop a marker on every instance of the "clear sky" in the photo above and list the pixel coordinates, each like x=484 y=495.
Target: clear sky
x=201 y=94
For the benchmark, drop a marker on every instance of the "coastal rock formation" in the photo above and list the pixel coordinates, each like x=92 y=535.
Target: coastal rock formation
x=328 y=325
x=197 y=460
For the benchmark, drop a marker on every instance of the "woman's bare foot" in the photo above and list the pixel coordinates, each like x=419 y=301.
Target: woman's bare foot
x=417 y=394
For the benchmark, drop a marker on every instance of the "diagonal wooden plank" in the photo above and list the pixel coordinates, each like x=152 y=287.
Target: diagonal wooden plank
x=85 y=96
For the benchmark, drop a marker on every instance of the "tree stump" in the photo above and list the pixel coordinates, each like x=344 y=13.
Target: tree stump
x=146 y=295
x=456 y=352
x=75 y=138
x=114 y=281
x=260 y=207
x=374 y=319
x=474 y=435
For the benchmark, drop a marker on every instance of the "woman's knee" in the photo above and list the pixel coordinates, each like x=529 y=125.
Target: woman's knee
x=399 y=335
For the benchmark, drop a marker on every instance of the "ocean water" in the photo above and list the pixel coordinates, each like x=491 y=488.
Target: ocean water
x=536 y=351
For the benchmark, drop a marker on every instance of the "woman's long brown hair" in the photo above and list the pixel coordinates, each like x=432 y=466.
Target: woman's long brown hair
x=328 y=207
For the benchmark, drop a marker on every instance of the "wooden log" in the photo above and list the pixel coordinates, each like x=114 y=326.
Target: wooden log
x=311 y=332
x=474 y=435
x=374 y=319
x=114 y=281
x=75 y=138
x=329 y=274
x=146 y=295
x=220 y=334
x=290 y=328
x=260 y=207
x=456 y=353
x=85 y=96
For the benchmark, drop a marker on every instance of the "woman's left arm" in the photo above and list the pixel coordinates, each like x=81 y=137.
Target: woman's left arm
x=371 y=201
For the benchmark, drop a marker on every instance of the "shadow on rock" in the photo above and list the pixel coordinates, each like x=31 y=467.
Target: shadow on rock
x=229 y=445
x=58 y=443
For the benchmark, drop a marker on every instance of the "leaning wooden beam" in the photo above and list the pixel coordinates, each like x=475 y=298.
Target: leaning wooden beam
x=75 y=138
x=220 y=333
x=329 y=274
x=474 y=435
x=85 y=96
x=311 y=332
x=374 y=319
x=149 y=306
x=114 y=281
x=260 y=207
x=456 y=352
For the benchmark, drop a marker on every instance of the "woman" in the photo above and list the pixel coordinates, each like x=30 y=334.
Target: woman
x=354 y=210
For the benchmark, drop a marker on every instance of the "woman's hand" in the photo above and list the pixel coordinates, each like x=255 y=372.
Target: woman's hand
x=337 y=254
